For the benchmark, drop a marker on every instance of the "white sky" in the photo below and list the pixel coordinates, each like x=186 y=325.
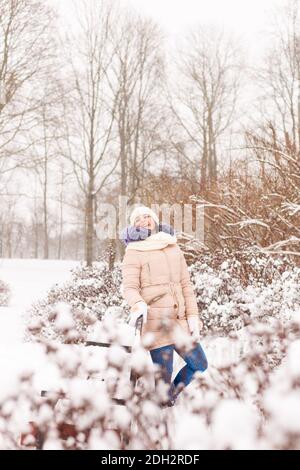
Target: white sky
x=176 y=15
x=249 y=19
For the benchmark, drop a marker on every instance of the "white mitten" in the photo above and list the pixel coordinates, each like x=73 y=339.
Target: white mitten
x=137 y=310
x=194 y=326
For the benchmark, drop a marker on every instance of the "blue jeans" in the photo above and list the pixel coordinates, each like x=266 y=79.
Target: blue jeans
x=195 y=361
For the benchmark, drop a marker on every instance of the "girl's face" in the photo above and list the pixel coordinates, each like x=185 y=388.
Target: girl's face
x=144 y=221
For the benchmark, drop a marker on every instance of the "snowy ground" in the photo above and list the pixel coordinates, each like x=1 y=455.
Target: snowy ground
x=29 y=279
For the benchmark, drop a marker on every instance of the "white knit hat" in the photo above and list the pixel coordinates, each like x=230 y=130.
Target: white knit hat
x=141 y=210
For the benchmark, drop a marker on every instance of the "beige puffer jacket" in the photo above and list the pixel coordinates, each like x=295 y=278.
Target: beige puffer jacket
x=157 y=273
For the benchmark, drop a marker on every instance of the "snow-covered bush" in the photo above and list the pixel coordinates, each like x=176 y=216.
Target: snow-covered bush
x=91 y=288
x=89 y=293
x=4 y=294
x=253 y=402
x=250 y=266
x=87 y=385
x=248 y=403
x=232 y=291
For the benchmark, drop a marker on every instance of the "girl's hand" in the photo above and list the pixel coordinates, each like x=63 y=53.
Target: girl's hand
x=195 y=325
x=137 y=310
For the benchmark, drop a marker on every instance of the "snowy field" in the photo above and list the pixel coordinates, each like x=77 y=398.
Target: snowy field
x=29 y=280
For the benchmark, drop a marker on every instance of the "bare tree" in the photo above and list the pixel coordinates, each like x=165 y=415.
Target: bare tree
x=43 y=148
x=273 y=140
x=279 y=79
x=89 y=109
x=26 y=53
x=137 y=79
x=26 y=44
x=205 y=100
x=63 y=178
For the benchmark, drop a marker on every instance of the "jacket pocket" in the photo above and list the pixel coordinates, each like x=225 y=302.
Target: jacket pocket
x=157 y=296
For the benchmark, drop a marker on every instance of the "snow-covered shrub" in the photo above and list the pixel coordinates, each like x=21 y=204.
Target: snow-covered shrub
x=83 y=400
x=4 y=294
x=251 y=402
x=230 y=292
x=251 y=266
x=94 y=288
x=61 y=322
x=89 y=293
x=248 y=403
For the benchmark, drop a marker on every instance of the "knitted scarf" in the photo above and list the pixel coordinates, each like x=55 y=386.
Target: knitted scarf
x=157 y=241
x=134 y=234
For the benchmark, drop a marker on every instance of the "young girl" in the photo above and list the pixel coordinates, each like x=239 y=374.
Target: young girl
x=157 y=285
